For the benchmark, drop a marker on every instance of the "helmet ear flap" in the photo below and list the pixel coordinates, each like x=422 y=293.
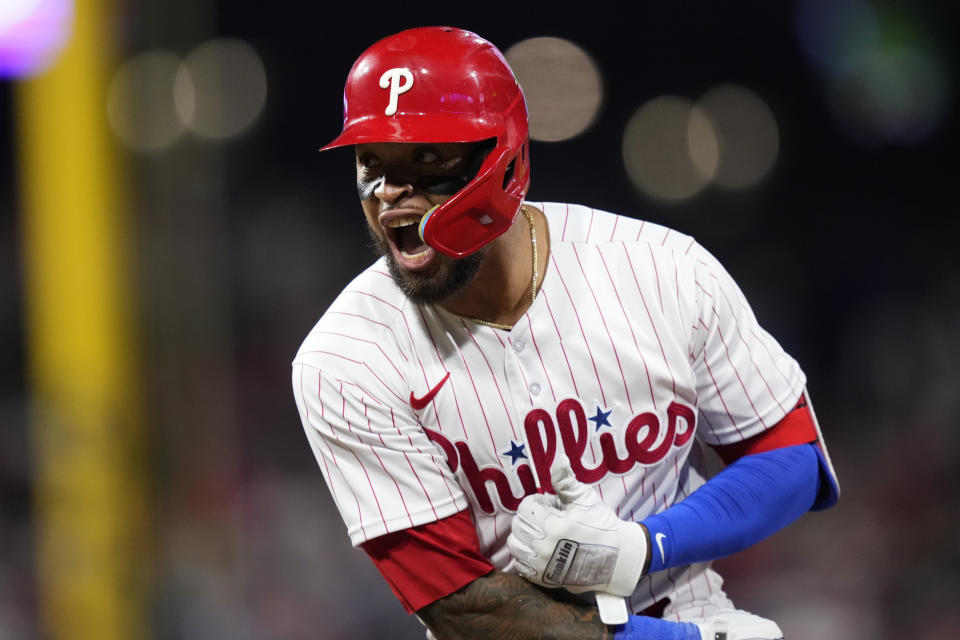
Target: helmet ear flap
x=476 y=214
x=484 y=208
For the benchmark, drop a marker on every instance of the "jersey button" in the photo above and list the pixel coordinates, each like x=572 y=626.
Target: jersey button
x=519 y=345
x=535 y=388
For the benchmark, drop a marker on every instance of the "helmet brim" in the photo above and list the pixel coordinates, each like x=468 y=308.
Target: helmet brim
x=408 y=127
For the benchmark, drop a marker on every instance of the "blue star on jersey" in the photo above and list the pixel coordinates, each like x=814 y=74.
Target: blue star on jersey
x=516 y=452
x=601 y=418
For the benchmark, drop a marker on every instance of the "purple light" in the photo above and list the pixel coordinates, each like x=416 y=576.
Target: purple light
x=32 y=33
x=456 y=98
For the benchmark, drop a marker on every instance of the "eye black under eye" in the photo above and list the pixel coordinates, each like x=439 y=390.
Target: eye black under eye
x=441 y=185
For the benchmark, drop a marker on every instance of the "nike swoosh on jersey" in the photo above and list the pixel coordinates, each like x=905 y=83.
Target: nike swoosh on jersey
x=420 y=403
x=659 y=538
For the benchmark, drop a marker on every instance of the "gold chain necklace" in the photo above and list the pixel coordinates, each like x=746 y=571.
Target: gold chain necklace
x=533 y=282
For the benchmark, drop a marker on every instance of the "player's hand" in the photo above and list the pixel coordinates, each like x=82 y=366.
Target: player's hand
x=574 y=540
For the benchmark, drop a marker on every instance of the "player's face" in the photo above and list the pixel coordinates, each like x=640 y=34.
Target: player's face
x=398 y=183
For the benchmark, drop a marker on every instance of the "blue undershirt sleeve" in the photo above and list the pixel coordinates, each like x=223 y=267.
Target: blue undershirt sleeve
x=644 y=628
x=749 y=500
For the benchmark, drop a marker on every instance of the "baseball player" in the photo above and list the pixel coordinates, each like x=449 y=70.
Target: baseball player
x=516 y=405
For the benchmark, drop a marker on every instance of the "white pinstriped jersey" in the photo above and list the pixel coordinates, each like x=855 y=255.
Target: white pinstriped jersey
x=638 y=341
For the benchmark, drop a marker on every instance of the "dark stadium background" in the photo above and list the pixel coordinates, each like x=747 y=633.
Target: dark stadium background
x=847 y=250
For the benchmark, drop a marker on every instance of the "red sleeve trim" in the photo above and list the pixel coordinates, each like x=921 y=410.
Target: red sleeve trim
x=431 y=561
x=797 y=427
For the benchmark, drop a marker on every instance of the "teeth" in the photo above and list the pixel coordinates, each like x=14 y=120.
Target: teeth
x=402 y=221
x=415 y=256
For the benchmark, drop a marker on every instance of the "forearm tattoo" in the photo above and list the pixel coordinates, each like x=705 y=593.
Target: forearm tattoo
x=501 y=605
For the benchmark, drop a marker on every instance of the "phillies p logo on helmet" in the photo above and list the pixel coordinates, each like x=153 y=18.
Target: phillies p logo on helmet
x=400 y=80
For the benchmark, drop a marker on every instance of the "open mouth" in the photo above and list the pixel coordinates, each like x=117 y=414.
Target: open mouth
x=409 y=248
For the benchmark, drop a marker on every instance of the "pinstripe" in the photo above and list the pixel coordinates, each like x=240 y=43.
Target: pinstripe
x=496 y=384
x=586 y=342
x=380 y=380
x=749 y=348
x=633 y=334
x=376 y=322
x=656 y=275
x=713 y=379
x=676 y=281
x=326 y=467
x=546 y=373
x=526 y=383
x=387 y=471
x=436 y=351
x=377 y=298
x=363 y=467
x=613 y=346
x=746 y=392
x=759 y=372
x=653 y=325
x=344 y=478
x=416 y=475
x=473 y=383
x=563 y=349
x=423 y=371
x=763 y=342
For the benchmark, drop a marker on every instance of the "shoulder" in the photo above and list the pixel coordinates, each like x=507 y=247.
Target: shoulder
x=367 y=315
x=580 y=224
x=632 y=254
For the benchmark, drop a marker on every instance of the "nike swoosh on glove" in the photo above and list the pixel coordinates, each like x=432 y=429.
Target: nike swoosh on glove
x=575 y=541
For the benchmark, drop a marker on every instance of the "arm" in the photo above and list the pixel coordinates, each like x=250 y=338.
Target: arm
x=458 y=598
x=501 y=605
x=746 y=502
x=437 y=571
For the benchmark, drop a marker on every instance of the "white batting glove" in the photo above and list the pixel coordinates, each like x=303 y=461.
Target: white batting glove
x=574 y=540
x=739 y=625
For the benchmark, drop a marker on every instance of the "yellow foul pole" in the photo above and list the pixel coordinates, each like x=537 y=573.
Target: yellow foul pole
x=86 y=423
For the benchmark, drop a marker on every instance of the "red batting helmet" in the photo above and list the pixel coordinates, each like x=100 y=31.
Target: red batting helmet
x=440 y=84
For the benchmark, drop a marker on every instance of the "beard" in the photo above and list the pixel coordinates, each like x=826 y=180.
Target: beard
x=449 y=277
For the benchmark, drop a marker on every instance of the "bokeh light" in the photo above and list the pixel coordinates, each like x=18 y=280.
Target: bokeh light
x=670 y=149
x=13 y=12
x=830 y=31
x=561 y=84
x=221 y=88
x=140 y=104
x=746 y=132
x=32 y=33
x=894 y=94
x=886 y=81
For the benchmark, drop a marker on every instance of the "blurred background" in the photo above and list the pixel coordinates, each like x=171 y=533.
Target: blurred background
x=169 y=234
